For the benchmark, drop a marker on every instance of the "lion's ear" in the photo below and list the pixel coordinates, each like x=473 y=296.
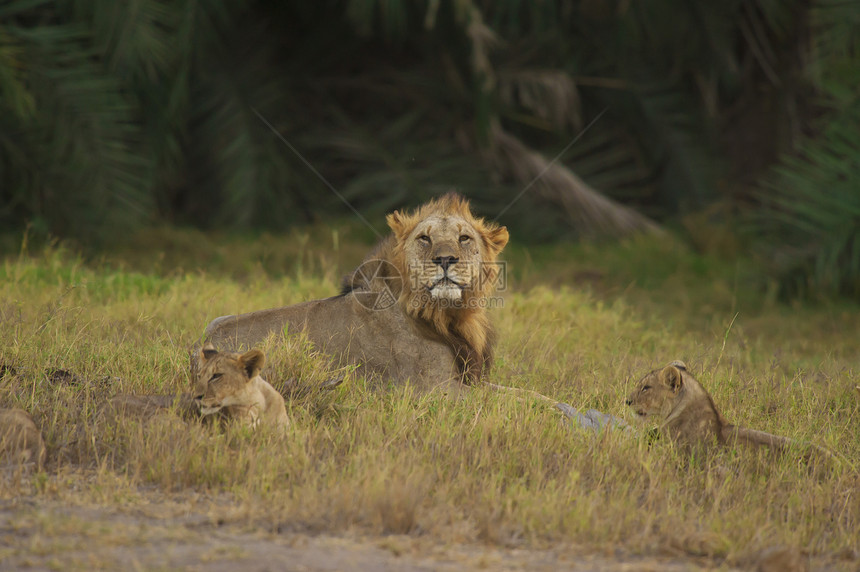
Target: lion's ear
x=496 y=239
x=208 y=352
x=679 y=364
x=396 y=222
x=253 y=361
x=671 y=377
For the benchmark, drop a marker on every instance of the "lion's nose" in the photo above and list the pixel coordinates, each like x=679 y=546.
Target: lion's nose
x=446 y=261
x=629 y=402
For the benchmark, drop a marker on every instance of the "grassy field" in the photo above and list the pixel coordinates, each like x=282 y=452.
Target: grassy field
x=579 y=323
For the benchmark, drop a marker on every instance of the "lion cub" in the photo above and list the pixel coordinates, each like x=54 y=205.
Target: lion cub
x=690 y=417
x=231 y=383
x=20 y=439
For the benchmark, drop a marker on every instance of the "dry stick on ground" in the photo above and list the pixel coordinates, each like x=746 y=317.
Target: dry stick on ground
x=521 y=392
x=591 y=419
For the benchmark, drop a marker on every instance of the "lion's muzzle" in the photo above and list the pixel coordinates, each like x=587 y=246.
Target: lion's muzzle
x=208 y=407
x=446 y=281
x=446 y=288
x=446 y=261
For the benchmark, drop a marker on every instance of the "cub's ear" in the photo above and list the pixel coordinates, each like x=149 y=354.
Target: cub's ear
x=208 y=352
x=496 y=239
x=679 y=364
x=253 y=361
x=671 y=377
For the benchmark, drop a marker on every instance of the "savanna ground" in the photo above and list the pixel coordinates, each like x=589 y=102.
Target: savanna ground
x=370 y=479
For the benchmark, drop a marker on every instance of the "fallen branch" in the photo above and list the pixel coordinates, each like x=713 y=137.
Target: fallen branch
x=591 y=419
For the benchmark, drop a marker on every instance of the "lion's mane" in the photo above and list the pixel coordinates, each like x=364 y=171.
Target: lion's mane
x=465 y=326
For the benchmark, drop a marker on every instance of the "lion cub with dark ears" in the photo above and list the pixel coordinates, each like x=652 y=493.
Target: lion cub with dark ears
x=231 y=384
x=690 y=417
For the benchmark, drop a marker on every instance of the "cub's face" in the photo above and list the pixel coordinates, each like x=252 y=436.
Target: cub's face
x=444 y=255
x=655 y=393
x=223 y=378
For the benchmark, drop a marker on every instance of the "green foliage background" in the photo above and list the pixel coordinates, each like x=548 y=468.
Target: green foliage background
x=115 y=115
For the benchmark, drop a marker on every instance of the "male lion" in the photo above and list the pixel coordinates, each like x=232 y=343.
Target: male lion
x=690 y=418
x=415 y=309
x=231 y=384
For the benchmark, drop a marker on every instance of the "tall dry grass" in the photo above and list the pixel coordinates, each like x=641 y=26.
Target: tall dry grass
x=487 y=467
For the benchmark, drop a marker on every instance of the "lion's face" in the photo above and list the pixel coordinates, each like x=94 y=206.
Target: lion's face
x=444 y=257
x=447 y=258
x=224 y=378
x=446 y=253
x=655 y=393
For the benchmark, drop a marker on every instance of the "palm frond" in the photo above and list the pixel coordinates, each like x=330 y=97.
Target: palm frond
x=548 y=95
x=811 y=214
x=82 y=164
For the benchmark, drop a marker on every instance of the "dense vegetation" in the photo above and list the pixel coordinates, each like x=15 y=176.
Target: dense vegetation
x=227 y=112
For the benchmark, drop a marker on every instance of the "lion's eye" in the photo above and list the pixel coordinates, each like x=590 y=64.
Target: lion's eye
x=215 y=376
x=424 y=239
x=465 y=238
x=646 y=388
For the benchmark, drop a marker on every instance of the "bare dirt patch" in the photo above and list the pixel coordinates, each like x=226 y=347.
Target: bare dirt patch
x=48 y=535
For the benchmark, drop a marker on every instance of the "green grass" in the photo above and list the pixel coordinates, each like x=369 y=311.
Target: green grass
x=580 y=323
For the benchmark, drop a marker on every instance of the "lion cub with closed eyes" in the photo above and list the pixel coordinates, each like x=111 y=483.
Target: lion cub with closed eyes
x=231 y=384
